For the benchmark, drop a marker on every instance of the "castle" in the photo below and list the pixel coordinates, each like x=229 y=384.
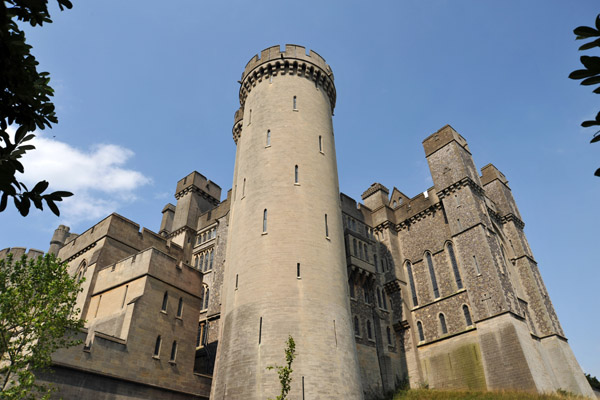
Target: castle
x=440 y=289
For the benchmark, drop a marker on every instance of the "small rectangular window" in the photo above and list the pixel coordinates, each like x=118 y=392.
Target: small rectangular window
x=236 y=281
x=320 y=144
x=295 y=103
x=260 y=330
x=476 y=265
x=298 y=270
x=265 y=221
x=326 y=227
x=296 y=174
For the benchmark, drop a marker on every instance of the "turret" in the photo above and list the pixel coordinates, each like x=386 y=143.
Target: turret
x=285 y=272
x=61 y=234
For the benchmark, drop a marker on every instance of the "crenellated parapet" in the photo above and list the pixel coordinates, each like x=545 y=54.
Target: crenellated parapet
x=292 y=61
x=238 y=119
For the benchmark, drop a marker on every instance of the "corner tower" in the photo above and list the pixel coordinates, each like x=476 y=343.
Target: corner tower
x=285 y=271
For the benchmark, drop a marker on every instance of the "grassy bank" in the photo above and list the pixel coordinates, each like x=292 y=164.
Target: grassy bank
x=429 y=394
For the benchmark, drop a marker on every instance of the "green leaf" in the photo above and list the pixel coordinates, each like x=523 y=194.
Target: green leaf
x=587 y=124
x=589 y=45
x=3 y=201
x=583 y=32
x=52 y=207
x=591 y=63
x=581 y=73
x=40 y=187
x=591 y=81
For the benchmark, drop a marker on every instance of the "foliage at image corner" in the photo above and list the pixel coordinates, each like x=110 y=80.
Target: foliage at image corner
x=37 y=317
x=24 y=102
x=285 y=371
x=590 y=74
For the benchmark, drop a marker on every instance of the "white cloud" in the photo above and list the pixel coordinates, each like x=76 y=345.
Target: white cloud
x=98 y=176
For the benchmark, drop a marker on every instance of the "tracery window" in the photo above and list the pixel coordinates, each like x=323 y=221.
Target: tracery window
x=420 y=330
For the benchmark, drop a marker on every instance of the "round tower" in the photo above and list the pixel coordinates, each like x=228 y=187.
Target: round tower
x=285 y=272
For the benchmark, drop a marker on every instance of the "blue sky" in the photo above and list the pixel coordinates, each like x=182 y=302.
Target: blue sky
x=146 y=92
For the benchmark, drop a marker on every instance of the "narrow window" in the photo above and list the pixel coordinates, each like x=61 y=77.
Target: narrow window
x=196 y=259
x=375 y=262
x=180 y=307
x=389 y=335
x=420 y=329
x=125 y=296
x=366 y=253
x=476 y=265
x=206 y=297
x=295 y=103
x=459 y=224
x=320 y=144
x=411 y=281
x=443 y=324
x=436 y=291
x=265 y=221
x=204 y=333
x=212 y=256
x=467 y=314
x=326 y=227
x=351 y=285
x=356 y=327
x=298 y=270
x=360 y=251
x=236 y=281
x=199 y=334
x=206 y=261
x=354 y=247
x=379 y=298
x=384 y=301
x=503 y=259
x=173 y=351
x=369 y=333
x=244 y=188
x=457 y=278
x=165 y=302
x=268 y=138
x=367 y=297
x=303 y=388
x=296 y=174
x=249 y=116
x=157 y=346
x=201 y=261
x=259 y=330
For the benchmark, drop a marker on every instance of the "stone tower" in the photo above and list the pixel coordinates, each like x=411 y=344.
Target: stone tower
x=285 y=271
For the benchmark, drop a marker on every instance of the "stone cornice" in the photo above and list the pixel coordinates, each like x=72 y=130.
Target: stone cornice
x=418 y=216
x=80 y=252
x=512 y=217
x=288 y=66
x=181 y=230
x=393 y=286
x=195 y=189
x=457 y=185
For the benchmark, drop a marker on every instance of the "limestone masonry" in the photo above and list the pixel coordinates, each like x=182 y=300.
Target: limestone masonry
x=440 y=289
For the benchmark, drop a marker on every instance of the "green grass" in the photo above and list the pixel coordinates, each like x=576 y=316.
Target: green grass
x=430 y=394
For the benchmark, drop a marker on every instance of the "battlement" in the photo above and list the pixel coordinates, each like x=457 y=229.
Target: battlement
x=198 y=181
x=292 y=61
x=18 y=252
x=490 y=173
x=442 y=137
x=291 y=51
